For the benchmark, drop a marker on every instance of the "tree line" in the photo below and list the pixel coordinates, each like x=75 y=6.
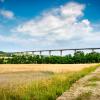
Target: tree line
x=76 y=58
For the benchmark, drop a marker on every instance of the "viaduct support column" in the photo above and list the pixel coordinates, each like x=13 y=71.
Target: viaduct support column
x=49 y=52
x=40 y=53
x=60 y=52
x=92 y=50
x=33 y=52
x=75 y=51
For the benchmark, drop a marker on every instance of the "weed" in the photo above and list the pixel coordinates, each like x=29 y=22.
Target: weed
x=84 y=96
x=93 y=79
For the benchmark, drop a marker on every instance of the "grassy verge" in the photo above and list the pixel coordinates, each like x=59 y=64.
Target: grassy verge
x=94 y=79
x=84 y=96
x=46 y=89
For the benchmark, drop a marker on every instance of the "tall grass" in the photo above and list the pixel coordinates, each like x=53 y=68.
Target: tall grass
x=46 y=89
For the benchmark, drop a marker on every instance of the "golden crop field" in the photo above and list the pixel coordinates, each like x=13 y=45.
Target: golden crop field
x=5 y=68
x=39 y=81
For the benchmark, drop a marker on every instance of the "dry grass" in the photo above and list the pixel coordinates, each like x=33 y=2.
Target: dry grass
x=37 y=81
x=44 y=89
x=5 y=68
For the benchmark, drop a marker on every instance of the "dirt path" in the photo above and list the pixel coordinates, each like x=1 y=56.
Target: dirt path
x=87 y=88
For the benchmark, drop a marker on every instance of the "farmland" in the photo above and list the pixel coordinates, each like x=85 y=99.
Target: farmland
x=39 y=81
x=42 y=67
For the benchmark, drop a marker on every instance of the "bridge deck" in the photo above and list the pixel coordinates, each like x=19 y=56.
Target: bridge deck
x=60 y=50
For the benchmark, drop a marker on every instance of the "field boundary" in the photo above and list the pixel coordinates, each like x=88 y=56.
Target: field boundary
x=83 y=89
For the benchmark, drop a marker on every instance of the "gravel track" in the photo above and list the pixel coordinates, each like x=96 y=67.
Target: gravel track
x=87 y=88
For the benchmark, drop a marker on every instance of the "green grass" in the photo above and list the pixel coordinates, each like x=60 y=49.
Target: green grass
x=93 y=79
x=46 y=89
x=84 y=96
x=92 y=84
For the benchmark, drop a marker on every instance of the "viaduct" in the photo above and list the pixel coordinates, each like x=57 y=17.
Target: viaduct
x=60 y=50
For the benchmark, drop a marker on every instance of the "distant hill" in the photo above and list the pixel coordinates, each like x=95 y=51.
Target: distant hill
x=1 y=52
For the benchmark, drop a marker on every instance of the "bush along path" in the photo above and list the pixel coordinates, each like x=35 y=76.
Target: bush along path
x=87 y=88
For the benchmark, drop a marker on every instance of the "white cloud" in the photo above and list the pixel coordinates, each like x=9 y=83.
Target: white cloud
x=58 y=24
x=72 y=10
x=55 y=22
x=63 y=26
x=7 y=14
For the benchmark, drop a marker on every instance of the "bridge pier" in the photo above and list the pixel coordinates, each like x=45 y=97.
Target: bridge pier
x=60 y=52
x=33 y=53
x=40 y=53
x=75 y=51
x=49 y=52
x=92 y=50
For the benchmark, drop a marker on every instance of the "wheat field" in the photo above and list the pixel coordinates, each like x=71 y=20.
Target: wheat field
x=39 y=81
x=57 y=68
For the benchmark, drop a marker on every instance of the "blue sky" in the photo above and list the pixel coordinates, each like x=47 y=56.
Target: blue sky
x=49 y=24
